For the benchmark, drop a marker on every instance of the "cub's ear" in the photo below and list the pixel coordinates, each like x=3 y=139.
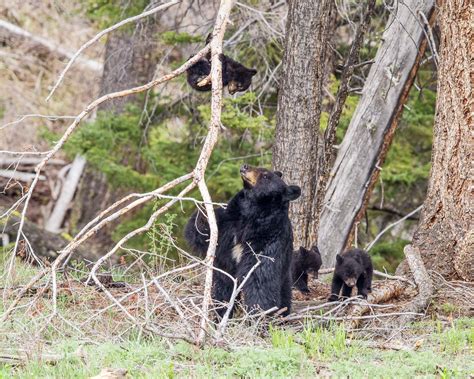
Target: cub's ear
x=303 y=250
x=278 y=173
x=293 y=192
x=315 y=249
x=339 y=259
x=252 y=71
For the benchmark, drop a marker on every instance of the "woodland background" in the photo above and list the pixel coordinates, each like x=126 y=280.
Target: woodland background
x=154 y=323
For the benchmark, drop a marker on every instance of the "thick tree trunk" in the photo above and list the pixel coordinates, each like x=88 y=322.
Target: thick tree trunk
x=130 y=60
x=295 y=151
x=444 y=236
x=372 y=127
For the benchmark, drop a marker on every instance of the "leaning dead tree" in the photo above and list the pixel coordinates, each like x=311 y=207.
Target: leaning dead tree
x=126 y=204
x=373 y=124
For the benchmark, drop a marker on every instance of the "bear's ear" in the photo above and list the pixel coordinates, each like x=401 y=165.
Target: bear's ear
x=315 y=249
x=303 y=250
x=252 y=71
x=278 y=173
x=293 y=192
x=339 y=259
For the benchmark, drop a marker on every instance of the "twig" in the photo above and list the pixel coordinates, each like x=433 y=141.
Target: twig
x=370 y=245
x=223 y=324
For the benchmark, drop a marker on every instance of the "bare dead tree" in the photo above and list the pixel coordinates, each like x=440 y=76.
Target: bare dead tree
x=373 y=124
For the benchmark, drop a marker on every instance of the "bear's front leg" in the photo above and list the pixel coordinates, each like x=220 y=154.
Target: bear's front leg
x=346 y=291
x=286 y=294
x=362 y=287
x=262 y=289
x=335 y=288
x=301 y=283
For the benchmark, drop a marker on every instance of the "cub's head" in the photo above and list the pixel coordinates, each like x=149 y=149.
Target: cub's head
x=266 y=185
x=348 y=268
x=242 y=80
x=311 y=260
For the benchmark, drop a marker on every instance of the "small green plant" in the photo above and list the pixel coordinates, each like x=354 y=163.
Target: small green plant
x=159 y=235
x=325 y=343
x=281 y=338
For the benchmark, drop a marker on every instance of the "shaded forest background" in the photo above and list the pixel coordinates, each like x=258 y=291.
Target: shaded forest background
x=158 y=136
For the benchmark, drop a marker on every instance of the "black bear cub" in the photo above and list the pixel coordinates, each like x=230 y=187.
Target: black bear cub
x=235 y=76
x=254 y=227
x=305 y=262
x=354 y=267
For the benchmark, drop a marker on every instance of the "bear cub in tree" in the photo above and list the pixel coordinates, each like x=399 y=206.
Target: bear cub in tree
x=254 y=227
x=305 y=262
x=353 y=267
x=235 y=76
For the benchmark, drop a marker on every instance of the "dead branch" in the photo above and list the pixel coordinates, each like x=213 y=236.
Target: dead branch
x=14 y=31
x=55 y=220
x=20 y=176
x=370 y=245
x=326 y=271
x=211 y=139
x=423 y=282
x=386 y=292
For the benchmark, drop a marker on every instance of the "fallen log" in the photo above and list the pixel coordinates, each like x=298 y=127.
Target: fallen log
x=384 y=293
x=45 y=245
x=9 y=31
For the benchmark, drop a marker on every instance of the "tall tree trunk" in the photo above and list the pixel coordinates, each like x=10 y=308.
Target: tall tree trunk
x=373 y=124
x=295 y=151
x=129 y=61
x=445 y=235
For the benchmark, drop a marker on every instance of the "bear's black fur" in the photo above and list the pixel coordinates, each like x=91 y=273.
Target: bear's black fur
x=304 y=262
x=353 y=267
x=235 y=76
x=254 y=226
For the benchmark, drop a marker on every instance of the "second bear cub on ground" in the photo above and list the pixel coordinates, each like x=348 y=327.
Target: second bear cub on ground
x=305 y=262
x=353 y=268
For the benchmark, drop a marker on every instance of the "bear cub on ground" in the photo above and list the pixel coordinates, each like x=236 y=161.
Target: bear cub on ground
x=305 y=262
x=235 y=75
x=353 y=268
x=254 y=227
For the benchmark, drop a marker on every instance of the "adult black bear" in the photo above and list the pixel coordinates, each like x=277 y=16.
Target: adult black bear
x=353 y=267
x=235 y=75
x=254 y=227
x=304 y=262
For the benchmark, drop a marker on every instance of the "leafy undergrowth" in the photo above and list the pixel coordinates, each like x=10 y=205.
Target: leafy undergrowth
x=441 y=346
x=438 y=352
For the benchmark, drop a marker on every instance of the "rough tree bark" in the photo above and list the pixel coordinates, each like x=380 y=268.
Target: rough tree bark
x=372 y=126
x=129 y=62
x=295 y=150
x=445 y=234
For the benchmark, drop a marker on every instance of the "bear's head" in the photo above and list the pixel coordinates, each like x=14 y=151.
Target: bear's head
x=262 y=185
x=311 y=260
x=242 y=79
x=348 y=268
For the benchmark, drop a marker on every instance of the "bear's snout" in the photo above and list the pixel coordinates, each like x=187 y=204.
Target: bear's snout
x=244 y=168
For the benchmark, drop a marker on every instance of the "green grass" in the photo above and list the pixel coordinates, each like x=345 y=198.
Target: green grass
x=444 y=353
x=445 y=349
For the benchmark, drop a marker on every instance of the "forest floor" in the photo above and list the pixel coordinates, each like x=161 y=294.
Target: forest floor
x=440 y=345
